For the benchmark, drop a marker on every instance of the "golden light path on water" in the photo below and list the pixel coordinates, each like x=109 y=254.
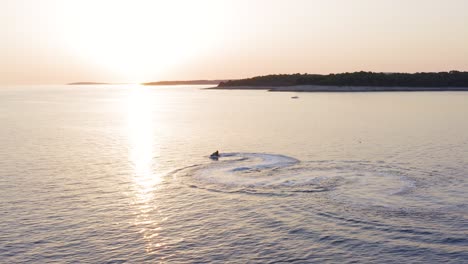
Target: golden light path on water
x=142 y=148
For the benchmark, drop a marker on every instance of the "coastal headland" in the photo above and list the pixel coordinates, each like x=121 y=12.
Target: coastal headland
x=353 y=82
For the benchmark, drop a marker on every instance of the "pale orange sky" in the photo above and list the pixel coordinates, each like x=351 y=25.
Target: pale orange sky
x=60 y=41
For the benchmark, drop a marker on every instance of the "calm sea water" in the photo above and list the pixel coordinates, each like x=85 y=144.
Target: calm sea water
x=115 y=174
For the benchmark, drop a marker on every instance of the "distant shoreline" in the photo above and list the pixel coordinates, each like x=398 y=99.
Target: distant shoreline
x=88 y=83
x=355 y=82
x=189 y=82
x=323 y=88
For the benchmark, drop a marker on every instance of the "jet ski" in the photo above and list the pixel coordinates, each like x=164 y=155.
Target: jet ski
x=215 y=155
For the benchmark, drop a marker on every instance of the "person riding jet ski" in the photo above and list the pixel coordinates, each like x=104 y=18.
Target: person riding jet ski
x=215 y=155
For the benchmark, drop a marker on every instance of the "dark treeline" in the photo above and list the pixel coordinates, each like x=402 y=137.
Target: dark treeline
x=423 y=79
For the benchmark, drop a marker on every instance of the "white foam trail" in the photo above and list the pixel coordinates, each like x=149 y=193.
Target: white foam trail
x=266 y=161
x=354 y=182
x=246 y=169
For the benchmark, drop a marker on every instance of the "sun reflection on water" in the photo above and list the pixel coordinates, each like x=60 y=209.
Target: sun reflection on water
x=142 y=145
x=141 y=156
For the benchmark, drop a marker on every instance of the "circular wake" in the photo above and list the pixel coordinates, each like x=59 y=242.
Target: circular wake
x=262 y=173
x=363 y=183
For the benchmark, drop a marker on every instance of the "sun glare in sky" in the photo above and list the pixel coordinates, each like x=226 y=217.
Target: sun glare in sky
x=55 y=41
x=134 y=40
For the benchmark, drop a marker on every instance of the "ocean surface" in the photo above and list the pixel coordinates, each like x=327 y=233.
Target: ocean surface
x=121 y=174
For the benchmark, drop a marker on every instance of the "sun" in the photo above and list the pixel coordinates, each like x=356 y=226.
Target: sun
x=137 y=40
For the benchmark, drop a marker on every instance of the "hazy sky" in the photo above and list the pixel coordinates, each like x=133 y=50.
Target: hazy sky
x=59 y=41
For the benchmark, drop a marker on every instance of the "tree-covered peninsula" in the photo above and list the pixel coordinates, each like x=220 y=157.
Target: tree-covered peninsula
x=431 y=80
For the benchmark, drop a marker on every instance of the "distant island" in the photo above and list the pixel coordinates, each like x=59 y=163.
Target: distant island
x=190 y=82
x=354 y=82
x=87 y=83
